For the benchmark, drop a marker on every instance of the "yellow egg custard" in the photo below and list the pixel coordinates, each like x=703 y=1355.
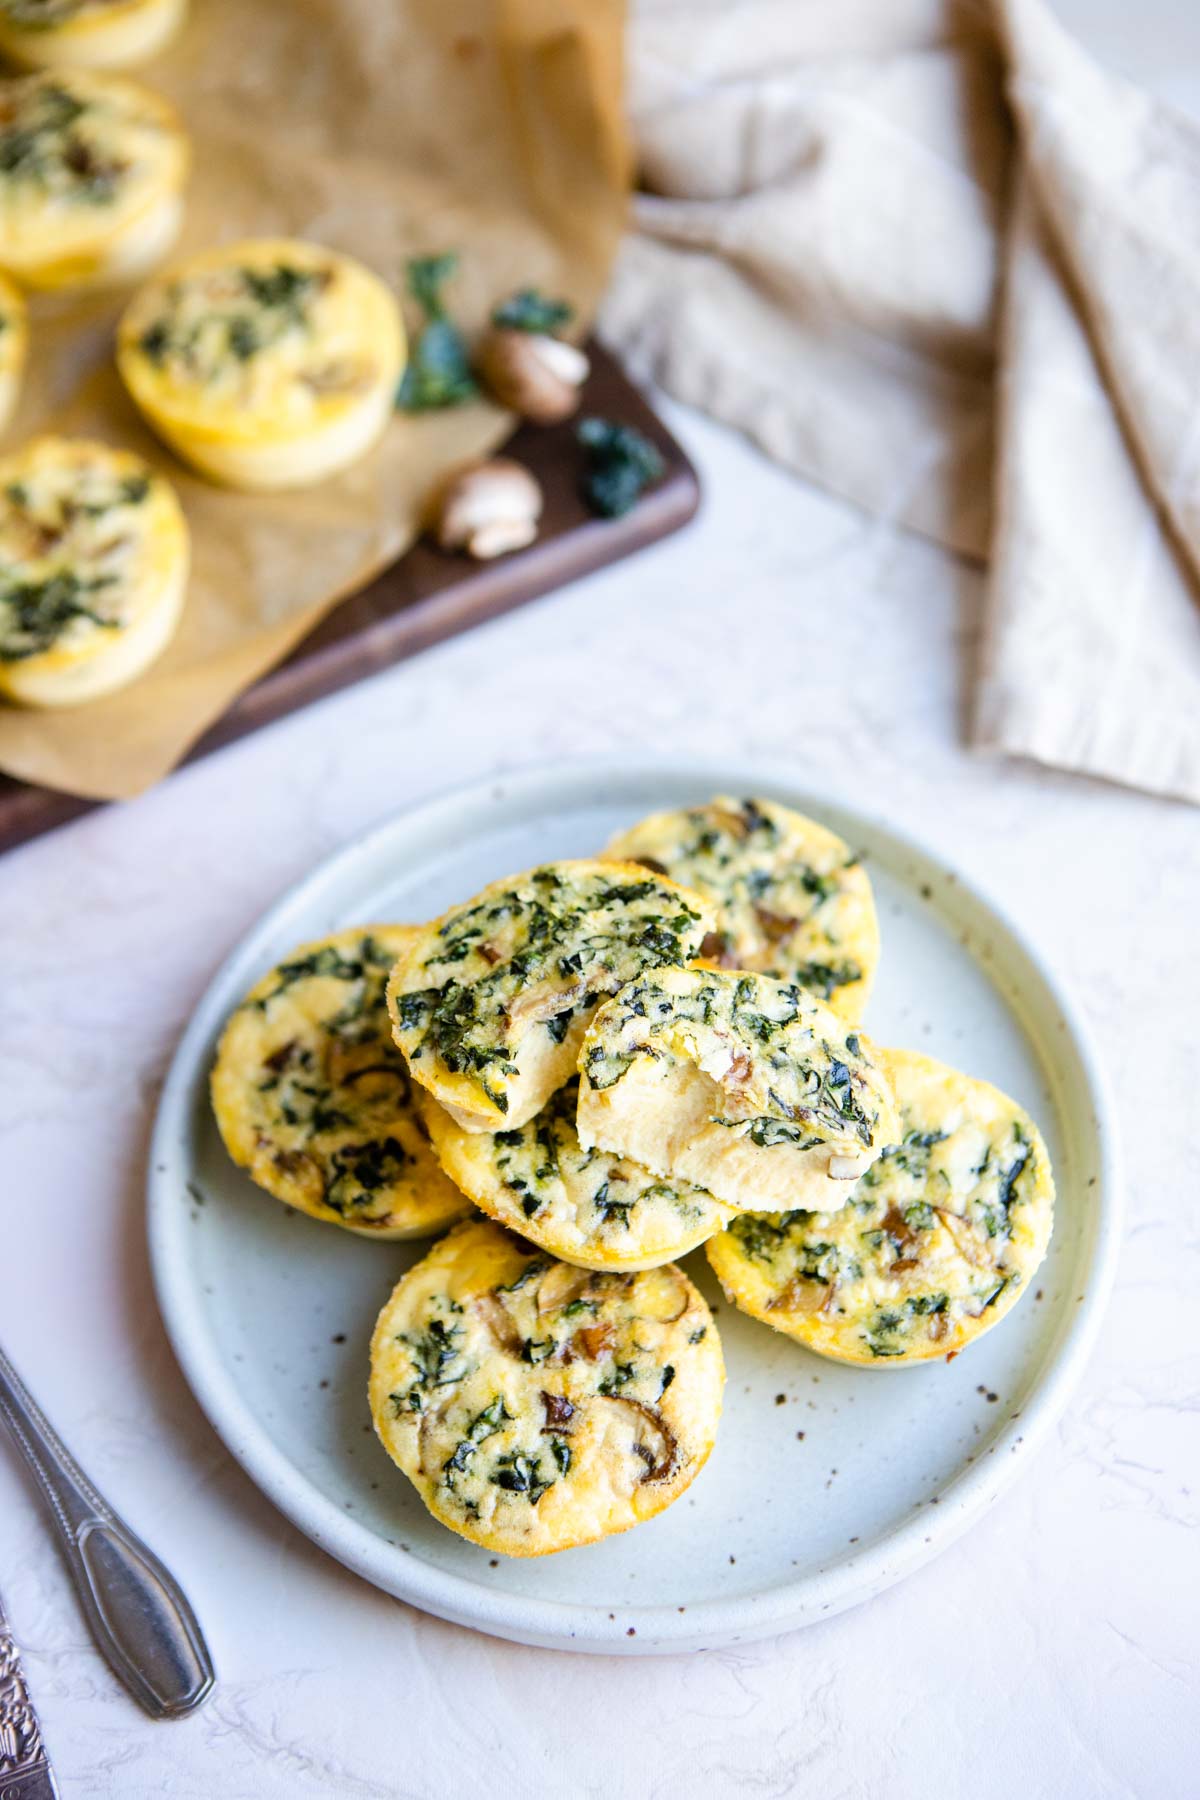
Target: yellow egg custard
x=87 y=34
x=14 y=347
x=266 y=364
x=490 y=1003
x=940 y=1239
x=92 y=169
x=313 y=1098
x=744 y=1085
x=793 y=900
x=536 y=1406
x=93 y=570
x=585 y=1206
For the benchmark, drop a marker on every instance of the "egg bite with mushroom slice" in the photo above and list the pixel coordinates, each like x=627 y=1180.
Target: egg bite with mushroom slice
x=87 y=34
x=92 y=169
x=313 y=1099
x=940 y=1239
x=536 y=1406
x=744 y=1085
x=14 y=347
x=93 y=570
x=490 y=1003
x=793 y=900
x=584 y=1206
x=267 y=364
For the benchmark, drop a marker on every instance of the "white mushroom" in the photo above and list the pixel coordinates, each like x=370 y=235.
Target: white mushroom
x=662 y=1293
x=654 y=1443
x=498 y=1322
x=561 y=1284
x=488 y=509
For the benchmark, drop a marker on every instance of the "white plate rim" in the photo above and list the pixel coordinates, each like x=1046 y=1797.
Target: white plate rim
x=588 y=1626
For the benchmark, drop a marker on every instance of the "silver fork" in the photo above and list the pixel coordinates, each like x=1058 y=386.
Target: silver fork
x=139 y=1616
x=25 y=1772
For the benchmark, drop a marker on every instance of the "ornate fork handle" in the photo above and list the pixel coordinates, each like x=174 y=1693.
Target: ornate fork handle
x=139 y=1616
x=25 y=1772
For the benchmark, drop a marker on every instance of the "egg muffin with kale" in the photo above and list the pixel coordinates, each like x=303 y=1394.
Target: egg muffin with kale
x=536 y=1406
x=792 y=899
x=940 y=1239
x=747 y=1086
x=14 y=347
x=267 y=364
x=585 y=1206
x=92 y=169
x=87 y=34
x=313 y=1099
x=490 y=1002
x=93 y=570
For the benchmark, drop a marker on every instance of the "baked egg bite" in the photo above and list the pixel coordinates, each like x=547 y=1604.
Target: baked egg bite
x=535 y=1406
x=584 y=1206
x=940 y=1239
x=87 y=34
x=266 y=364
x=490 y=1002
x=744 y=1085
x=14 y=347
x=93 y=570
x=792 y=899
x=312 y=1097
x=92 y=169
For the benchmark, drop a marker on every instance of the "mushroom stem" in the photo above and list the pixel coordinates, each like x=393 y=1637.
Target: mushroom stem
x=489 y=509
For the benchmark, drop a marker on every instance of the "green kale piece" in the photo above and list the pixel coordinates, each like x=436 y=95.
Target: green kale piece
x=527 y=310
x=621 y=464
x=439 y=368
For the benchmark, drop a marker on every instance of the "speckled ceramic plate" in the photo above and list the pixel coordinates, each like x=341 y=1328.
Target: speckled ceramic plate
x=827 y=1483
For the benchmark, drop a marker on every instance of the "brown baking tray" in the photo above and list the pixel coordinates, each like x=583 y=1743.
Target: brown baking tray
x=428 y=596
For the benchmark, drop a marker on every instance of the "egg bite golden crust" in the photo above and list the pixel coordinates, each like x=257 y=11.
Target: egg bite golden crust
x=87 y=34
x=939 y=1241
x=584 y=1206
x=14 y=348
x=745 y=1085
x=536 y=1406
x=266 y=364
x=93 y=570
x=490 y=1003
x=792 y=899
x=92 y=169
x=312 y=1097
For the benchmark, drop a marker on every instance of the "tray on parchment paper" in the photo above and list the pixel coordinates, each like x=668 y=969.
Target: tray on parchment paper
x=428 y=596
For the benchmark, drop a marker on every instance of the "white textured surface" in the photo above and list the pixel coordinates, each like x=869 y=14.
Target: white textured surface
x=1053 y=1651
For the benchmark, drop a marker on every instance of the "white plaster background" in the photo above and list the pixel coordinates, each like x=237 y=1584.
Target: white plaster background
x=1053 y=1651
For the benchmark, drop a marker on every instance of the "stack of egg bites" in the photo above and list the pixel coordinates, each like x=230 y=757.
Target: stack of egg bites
x=264 y=365
x=585 y=1072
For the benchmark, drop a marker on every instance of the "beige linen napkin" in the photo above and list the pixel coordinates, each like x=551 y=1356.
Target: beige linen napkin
x=838 y=193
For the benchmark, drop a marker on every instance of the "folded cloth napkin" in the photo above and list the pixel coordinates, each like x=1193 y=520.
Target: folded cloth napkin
x=927 y=253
